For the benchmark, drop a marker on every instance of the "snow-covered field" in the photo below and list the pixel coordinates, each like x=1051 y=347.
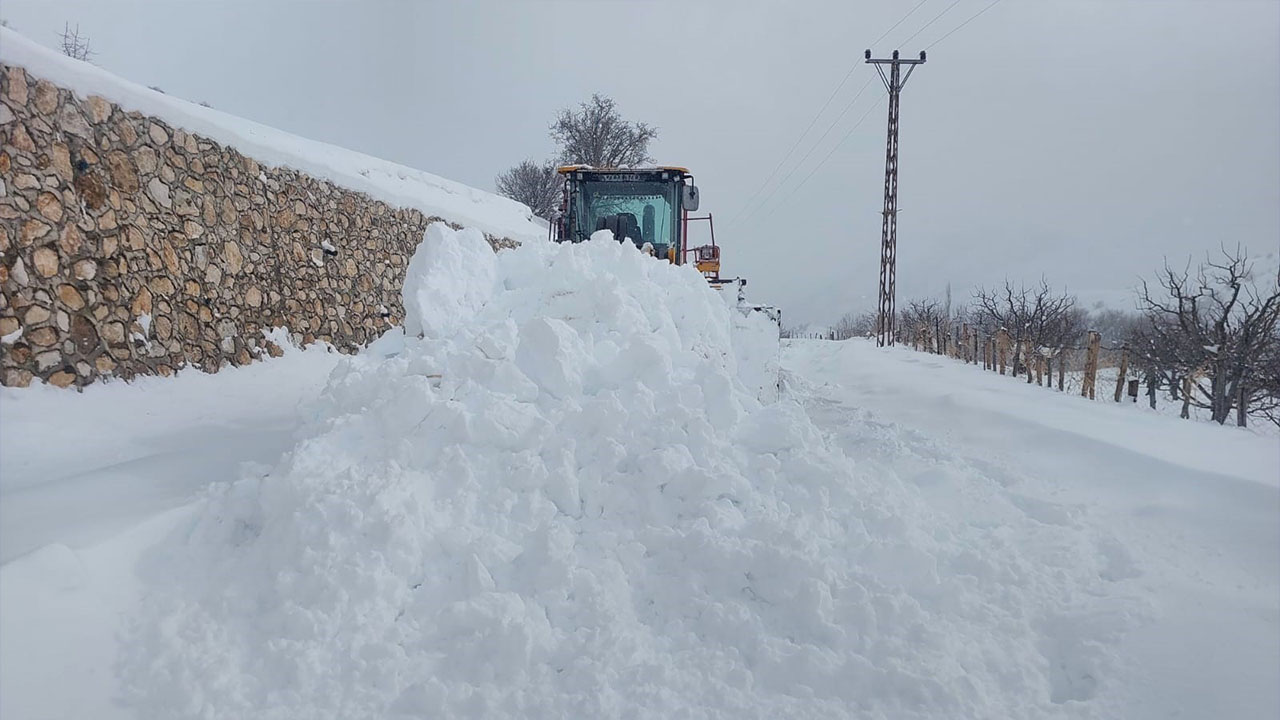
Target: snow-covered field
x=563 y=501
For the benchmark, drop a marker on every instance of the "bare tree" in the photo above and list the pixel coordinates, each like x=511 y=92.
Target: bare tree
x=597 y=135
x=1216 y=325
x=535 y=185
x=922 y=323
x=1266 y=395
x=854 y=325
x=74 y=45
x=1035 y=318
x=1114 y=325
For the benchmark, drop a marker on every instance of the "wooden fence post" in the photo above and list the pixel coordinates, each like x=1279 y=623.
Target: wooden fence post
x=1091 y=366
x=1062 y=368
x=1124 y=369
x=1002 y=349
x=1040 y=369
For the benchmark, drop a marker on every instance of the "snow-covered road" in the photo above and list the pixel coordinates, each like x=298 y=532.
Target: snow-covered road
x=1183 y=516
x=89 y=481
x=79 y=468
x=1163 y=536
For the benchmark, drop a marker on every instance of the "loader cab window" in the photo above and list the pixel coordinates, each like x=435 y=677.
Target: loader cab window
x=643 y=212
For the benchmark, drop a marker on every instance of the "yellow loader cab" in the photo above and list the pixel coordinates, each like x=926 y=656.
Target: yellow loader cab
x=647 y=206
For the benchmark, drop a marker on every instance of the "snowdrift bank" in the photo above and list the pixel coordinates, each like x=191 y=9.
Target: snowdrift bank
x=562 y=501
x=394 y=184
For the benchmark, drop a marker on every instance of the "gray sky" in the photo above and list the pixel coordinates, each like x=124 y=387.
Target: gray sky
x=1079 y=140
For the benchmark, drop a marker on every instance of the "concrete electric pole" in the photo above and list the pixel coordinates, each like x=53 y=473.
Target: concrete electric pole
x=893 y=82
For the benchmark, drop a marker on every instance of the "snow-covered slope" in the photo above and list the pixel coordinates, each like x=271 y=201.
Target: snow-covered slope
x=394 y=184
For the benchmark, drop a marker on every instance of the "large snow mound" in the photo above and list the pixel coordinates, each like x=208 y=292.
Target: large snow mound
x=394 y=184
x=562 y=501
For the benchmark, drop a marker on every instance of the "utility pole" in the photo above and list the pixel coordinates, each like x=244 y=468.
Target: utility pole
x=893 y=82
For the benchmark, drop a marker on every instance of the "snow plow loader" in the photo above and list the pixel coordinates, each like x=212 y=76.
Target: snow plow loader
x=651 y=208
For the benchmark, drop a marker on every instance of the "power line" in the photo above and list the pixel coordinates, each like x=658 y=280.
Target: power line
x=769 y=196
x=973 y=17
x=895 y=25
x=894 y=81
x=935 y=19
x=813 y=147
x=786 y=156
x=836 y=147
x=825 y=158
x=864 y=116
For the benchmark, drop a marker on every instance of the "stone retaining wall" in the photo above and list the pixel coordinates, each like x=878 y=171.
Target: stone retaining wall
x=130 y=247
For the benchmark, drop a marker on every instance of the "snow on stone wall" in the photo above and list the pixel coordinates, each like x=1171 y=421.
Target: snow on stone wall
x=130 y=246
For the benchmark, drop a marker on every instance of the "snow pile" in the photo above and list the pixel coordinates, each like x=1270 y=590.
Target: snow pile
x=757 y=345
x=448 y=281
x=562 y=501
x=394 y=184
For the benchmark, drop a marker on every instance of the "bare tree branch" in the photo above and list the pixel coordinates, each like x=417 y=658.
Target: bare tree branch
x=597 y=135
x=75 y=45
x=1219 y=330
x=537 y=186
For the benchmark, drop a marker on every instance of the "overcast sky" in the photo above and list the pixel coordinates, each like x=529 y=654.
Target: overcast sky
x=1078 y=140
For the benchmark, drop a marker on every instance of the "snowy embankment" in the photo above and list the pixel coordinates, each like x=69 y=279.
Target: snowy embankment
x=562 y=501
x=394 y=184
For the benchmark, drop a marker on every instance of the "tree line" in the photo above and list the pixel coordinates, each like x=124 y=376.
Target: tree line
x=1208 y=336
